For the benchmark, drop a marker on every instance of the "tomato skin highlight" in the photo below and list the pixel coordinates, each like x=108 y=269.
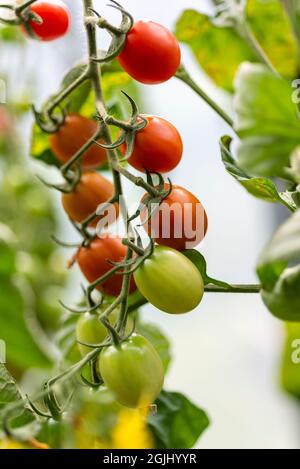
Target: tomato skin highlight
x=92 y=261
x=56 y=20
x=151 y=54
x=72 y=135
x=89 y=329
x=91 y=191
x=170 y=281
x=158 y=147
x=176 y=230
x=133 y=371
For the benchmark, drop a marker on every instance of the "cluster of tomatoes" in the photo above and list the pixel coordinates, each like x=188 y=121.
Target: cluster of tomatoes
x=167 y=279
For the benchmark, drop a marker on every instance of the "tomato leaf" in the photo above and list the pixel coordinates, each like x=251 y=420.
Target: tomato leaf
x=23 y=419
x=208 y=42
x=7 y=259
x=22 y=350
x=178 y=422
x=266 y=120
x=158 y=340
x=290 y=376
x=199 y=261
x=209 y=38
x=259 y=187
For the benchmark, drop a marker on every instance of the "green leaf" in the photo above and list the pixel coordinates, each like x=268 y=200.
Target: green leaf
x=199 y=261
x=211 y=44
x=22 y=350
x=210 y=38
x=290 y=376
x=266 y=120
x=7 y=259
x=259 y=187
x=178 y=423
x=23 y=421
x=159 y=341
x=273 y=31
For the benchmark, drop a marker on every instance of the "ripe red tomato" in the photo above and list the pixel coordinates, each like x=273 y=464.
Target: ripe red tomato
x=158 y=147
x=180 y=221
x=91 y=191
x=56 y=20
x=151 y=53
x=93 y=263
x=71 y=136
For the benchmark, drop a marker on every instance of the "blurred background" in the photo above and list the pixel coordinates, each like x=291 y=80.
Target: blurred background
x=227 y=352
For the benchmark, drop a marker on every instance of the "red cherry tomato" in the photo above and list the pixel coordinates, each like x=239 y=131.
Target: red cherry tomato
x=71 y=136
x=55 y=18
x=91 y=191
x=151 y=53
x=158 y=147
x=93 y=263
x=180 y=222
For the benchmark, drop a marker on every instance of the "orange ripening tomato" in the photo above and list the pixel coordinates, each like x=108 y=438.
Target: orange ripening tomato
x=151 y=53
x=179 y=222
x=92 y=261
x=91 y=191
x=158 y=147
x=72 y=135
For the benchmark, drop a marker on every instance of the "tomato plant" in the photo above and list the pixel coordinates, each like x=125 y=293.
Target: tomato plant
x=157 y=148
x=170 y=281
x=75 y=132
x=91 y=191
x=52 y=20
x=151 y=53
x=133 y=371
x=94 y=262
x=180 y=222
x=85 y=126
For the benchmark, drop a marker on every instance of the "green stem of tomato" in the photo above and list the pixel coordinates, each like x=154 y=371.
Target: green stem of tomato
x=245 y=288
x=184 y=76
x=23 y=6
x=94 y=71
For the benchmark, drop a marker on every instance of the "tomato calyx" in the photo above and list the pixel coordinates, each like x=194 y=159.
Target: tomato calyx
x=118 y=34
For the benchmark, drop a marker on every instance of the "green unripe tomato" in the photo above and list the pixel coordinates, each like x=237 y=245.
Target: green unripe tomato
x=90 y=330
x=170 y=281
x=133 y=371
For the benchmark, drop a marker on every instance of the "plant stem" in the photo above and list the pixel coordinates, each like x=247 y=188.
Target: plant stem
x=94 y=71
x=246 y=288
x=23 y=6
x=66 y=92
x=184 y=76
x=233 y=289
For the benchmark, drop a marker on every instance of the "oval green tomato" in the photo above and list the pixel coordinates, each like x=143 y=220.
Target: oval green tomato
x=90 y=330
x=170 y=281
x=133 y=371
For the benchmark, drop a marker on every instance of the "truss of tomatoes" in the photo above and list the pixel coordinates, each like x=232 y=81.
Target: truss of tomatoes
x=131 y=369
